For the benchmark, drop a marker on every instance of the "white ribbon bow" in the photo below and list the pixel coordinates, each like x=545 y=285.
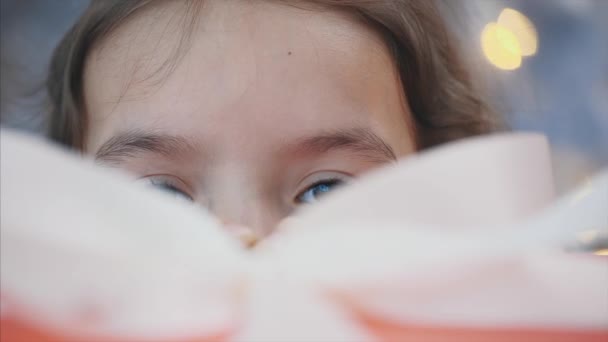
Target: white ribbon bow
x=461 y=243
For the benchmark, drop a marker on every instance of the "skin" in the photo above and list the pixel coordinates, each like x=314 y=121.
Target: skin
x=266 y=100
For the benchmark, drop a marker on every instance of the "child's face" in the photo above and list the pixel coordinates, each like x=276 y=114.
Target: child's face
x=268 y=107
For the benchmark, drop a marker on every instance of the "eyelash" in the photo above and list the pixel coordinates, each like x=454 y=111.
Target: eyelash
x=168 y=184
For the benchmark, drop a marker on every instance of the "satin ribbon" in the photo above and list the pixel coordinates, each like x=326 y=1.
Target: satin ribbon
x=462 y=243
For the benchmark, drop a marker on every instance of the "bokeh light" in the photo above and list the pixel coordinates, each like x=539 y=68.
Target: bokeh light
x=501 y=47
x=509 y=39
x=522 y=28
x=602 y=252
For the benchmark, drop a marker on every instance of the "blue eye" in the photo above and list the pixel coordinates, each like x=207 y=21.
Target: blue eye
x=169 y=186
x=313 y=192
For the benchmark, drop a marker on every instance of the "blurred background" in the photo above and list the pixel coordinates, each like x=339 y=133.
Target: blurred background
x=542 y=63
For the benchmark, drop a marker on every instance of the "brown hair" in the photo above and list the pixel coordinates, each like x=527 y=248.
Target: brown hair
x=441 y=96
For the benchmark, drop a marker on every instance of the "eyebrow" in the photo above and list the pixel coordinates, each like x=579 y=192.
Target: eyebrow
x=362 y=141
x=131 y=143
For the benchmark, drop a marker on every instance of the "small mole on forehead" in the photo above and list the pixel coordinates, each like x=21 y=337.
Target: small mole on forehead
x=289 y=53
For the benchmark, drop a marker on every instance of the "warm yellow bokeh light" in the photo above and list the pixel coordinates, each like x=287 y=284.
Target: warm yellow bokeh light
x=501 y=47
x=522 y=28
x=603 y=252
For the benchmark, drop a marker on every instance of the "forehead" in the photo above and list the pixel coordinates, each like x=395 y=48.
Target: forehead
x=243 y=67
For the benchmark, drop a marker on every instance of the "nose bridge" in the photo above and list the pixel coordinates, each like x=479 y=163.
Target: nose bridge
x=238 y=199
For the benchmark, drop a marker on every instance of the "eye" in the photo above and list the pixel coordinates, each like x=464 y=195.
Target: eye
x=168 y=184
x=318 y=189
